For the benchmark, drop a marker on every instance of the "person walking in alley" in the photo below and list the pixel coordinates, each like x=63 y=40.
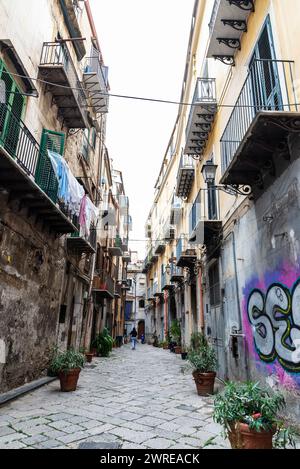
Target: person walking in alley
x=133 y=335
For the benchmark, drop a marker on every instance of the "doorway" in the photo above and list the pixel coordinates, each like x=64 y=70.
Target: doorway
x=264 y=73
x=141 y=329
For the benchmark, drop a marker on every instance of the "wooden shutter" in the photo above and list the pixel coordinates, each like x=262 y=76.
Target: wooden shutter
x=10 y=121
x=45 y=176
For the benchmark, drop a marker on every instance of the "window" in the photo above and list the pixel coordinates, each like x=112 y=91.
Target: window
x=214 y=284
x=141 y=303
x=195 y=213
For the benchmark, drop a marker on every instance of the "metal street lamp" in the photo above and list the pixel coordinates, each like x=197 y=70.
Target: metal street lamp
x=209 y=174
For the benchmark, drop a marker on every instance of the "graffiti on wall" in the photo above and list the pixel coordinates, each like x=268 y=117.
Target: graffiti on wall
x=275 y=320
x=271 y=323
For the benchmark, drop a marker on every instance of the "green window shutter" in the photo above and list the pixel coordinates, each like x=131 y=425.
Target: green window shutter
x=44 y=175
x=10 y=121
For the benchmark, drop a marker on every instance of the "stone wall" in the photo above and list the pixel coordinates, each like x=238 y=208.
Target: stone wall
x=31 y=272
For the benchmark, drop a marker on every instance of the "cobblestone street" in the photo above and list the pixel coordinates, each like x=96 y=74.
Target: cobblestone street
x=140 y=399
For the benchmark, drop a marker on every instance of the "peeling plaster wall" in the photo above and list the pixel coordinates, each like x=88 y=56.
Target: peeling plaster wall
x=31 y=273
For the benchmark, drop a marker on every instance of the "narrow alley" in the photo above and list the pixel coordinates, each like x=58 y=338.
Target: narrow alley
x=135 y=399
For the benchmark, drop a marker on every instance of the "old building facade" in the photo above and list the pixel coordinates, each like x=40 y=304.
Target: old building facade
x=223 y=252
x=56 y=264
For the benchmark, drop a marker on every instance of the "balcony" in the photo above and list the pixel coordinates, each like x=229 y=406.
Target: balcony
x=176 y=210
x=118 y=290
x=255 y=143
x=205 y=223
x=57 y=67
x=80 y=243
x=169 y=232
x=116 y=248
x=19 y=155
x=185 y=256
x=160 y=247
x=227 y=25
x=201 y=116
x=166 y=282
x=185 y=176
x=103 y=286
x=127 y=284
x=126 y=256
x=95 y=83
x=176 y=274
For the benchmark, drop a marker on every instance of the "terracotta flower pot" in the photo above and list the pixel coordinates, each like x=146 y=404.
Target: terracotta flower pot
x=68 y=379
x=251 y=439
x=204 y=382
x=234 y=437
x=177 y=349
x=89 y=357
x=94 y=352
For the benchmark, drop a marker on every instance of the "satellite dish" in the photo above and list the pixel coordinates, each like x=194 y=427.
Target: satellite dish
x=2 y=92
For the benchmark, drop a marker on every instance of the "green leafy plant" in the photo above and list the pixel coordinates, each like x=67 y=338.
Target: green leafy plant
x=285 y=436
x=67 y=360
x=203 y=359
x=103 y=343
x=175 y=331
x=247 y=403
x=198 y=340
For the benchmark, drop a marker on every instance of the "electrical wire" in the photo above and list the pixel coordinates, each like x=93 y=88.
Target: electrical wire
x=162 y=101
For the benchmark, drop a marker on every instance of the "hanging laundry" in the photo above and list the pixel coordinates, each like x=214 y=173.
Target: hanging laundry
x=69 y=189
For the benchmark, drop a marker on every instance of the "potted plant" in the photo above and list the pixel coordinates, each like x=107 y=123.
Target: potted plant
x=249 y=416
x=175 y=331
x=204 y=363
x=67 y=365
x=184 y=353
x=103 y=343
x=88 y=355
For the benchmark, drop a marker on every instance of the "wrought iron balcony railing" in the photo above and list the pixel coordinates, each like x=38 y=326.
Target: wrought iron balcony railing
x=56 y=65
x=103 y=285
x=95 y=81
x=201 y=117
x=185 y=176
x=19 y=158
x=80 y=243
x=268 y=89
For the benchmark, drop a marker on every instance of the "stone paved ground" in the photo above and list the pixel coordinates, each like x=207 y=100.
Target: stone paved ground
x=139 y=398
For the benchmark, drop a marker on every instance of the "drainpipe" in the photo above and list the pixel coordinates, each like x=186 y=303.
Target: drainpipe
x=240 y=326
x=90 y=302
x=166 y=314
x=201 y=311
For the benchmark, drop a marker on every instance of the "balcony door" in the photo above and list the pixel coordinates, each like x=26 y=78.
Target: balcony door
x=11 y=113
x=264 y=73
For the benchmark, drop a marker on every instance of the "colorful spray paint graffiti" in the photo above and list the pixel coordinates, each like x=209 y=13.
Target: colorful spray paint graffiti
x=272 y=325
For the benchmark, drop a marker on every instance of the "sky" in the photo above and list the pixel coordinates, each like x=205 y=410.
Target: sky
x=144 y=44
